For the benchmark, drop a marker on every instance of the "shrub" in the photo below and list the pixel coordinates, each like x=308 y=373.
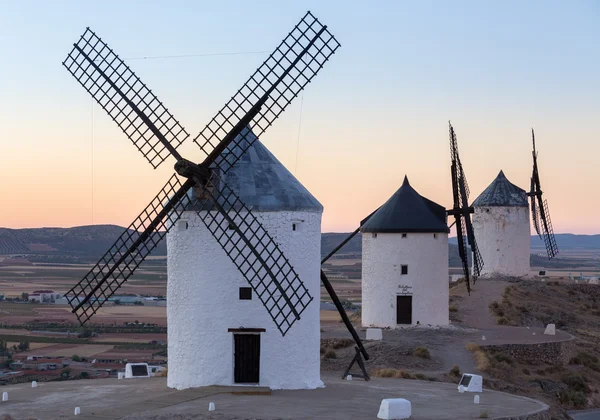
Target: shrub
x=453 y=308
x=422 y=352
x=330 y=354
x=76 y=358
x=322 y=350
x=526 y=371
x=576 y=382
x=455 y=371
x=503 y=358
x=502 y=321
x=84 y=375
x=586 y=359
x=575 y=399
x=484 y=415
x=341 y=343
x=420 y=376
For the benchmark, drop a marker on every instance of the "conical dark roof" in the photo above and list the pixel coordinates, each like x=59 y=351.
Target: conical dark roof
x=261 y=181
x=407 y=211
x=501 y=193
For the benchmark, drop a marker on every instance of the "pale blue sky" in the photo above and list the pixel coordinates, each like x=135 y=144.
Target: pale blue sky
x=378 y=110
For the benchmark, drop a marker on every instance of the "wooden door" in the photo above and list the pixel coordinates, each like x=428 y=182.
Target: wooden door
x=247 y=358
x=404 y=309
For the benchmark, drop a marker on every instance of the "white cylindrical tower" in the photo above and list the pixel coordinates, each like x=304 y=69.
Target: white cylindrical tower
x=219 y=332
x=501 y=227
x=405 y=263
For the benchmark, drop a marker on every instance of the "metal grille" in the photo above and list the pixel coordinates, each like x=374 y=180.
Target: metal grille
x=549 y=240
x=274 y=84
x=256 y=255
x=128 y=252
x=135 y=109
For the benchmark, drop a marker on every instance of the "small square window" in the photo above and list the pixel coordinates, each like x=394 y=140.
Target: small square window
x=404 y=269
x=245 y=293
x=182 y=225
x=374 y=235
x=434 y=235
x=294 y=227
x=404 y=235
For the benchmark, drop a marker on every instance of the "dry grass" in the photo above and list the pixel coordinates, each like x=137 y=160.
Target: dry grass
x=393 y=373
x=330 y=354
x=422 y=352
x=481 y=360
x=164 y=373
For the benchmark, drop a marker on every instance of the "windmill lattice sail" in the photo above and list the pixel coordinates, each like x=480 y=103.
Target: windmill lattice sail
x=273 y=86
x=153 y=130
x=136 y=110
x=129 y=250
x=539 y=208
x=462 y=213
x=256 y=255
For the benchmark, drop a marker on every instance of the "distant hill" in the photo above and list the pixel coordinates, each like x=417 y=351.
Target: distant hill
x=77 y=243
x=564 y=241
x=89 y=243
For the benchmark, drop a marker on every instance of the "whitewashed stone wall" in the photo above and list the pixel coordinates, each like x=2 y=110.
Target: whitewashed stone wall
x=203 y=302
x=503 y=238
x=427 y=278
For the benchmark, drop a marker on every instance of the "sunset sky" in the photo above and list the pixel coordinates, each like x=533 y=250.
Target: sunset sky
x=377 y=111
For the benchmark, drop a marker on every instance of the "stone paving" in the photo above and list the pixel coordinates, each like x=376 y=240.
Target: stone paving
x=146 y=399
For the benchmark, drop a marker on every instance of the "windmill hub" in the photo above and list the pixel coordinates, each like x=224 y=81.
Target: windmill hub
x=190 y=170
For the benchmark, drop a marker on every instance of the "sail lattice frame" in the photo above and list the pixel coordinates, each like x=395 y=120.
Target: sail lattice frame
x=136 y=110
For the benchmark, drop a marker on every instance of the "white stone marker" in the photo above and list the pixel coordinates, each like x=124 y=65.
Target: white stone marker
x=349 y=377
x=461 y=389
x=121 y=375
x=483 y=338
x=476 y=399
x=533 y=333
x=211 y=406
x=77 y=411
x=5 y=396
x=34 y=384
x=550 y=329
x=374 y=334
x=394 y=408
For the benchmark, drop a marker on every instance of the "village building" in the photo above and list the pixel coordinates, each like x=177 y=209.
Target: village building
x=405 y=262
x=501 y=226
x=219 y=331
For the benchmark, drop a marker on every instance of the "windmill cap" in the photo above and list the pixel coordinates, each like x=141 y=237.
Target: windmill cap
x=407 y=211
x=261 y=181
x=502 y=193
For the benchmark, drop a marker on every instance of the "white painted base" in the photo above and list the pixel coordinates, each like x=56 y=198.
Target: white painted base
x=550 y=329
x=204 y=304
x=503 y=238
x=374 y=334
x=426 y=278
x=394 y=408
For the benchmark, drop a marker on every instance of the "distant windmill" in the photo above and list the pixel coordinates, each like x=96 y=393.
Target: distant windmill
x=462 y=214
x=539 y=208
x=502 y=222
x=224 y=142
x=405 y=254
